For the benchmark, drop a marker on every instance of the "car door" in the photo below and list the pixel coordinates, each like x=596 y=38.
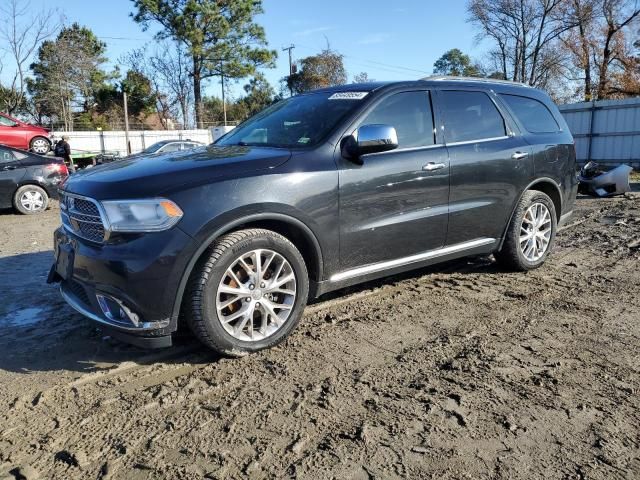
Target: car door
x=394 y=205
x=490 y=164
x=11 y=172
x=11 y=134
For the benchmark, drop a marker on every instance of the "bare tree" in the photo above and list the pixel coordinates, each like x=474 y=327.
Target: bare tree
x=578 y=41
x=598 y=46
x=171 y=67
x=524 y=33
x=22 y=33
x=617 y=15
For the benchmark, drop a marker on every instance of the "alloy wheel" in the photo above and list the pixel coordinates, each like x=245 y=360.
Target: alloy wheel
x=535 y=232
x=256 y=295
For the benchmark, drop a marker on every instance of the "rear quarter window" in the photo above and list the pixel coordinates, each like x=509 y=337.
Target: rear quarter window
x=533 y=114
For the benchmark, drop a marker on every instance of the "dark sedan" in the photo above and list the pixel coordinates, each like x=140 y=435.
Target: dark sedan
x=28 y=181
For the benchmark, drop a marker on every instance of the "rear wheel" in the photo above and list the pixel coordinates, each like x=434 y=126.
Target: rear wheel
x=247 y=293
x=30 y=199
x=530 y=234
x=40 y=145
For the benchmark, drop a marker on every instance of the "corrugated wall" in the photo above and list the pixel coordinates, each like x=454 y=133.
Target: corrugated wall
x=606 y=131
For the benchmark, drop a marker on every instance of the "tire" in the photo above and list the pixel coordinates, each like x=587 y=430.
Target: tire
x=40 y=145
x=519 y=253
x=206 y=294
x=30 y=199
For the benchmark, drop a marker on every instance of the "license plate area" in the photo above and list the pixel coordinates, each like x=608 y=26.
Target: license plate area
x=65 y=256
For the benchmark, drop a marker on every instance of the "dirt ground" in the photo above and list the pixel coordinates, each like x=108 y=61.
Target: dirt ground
x=456 y=371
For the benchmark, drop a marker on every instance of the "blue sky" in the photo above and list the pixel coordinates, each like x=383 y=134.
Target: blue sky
x=390 y=40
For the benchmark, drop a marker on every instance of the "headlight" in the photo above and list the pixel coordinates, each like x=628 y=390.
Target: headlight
x=153 y=215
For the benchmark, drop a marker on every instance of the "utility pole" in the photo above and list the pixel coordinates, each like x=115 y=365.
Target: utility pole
x=126 y=123
x=224 y=103
x=289 y=48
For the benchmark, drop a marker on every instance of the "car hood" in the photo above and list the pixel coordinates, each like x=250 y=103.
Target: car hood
x=151 y=176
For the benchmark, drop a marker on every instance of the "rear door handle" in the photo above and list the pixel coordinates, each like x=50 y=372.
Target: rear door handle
x=9 y=167
x=431 y=166
x=519 y=155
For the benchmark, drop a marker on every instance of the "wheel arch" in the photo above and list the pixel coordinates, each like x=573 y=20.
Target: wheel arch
x=291 y=228
x=551 y=189
x=545 y=185
x=38 y=135
x=32 y=181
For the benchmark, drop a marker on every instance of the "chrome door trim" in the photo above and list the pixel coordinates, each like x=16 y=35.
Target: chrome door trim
x=398 y=262
x=482 y=140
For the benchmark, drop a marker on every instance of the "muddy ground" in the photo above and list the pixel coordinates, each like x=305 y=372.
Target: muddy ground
x=456 y=371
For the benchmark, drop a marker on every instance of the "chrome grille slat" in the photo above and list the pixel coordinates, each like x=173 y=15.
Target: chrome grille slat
x=82 y=216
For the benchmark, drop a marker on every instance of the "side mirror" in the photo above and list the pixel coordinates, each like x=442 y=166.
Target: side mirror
x=368 y=139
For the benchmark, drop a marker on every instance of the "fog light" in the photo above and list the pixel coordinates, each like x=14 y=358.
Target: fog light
x=116 y=311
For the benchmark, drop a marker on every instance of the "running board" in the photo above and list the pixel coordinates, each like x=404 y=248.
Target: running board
x=399 y=262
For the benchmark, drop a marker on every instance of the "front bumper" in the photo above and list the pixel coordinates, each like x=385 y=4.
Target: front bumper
x=129 y=286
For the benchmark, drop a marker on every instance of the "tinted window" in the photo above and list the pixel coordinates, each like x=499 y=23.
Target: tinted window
x=6 y=156
x=6 y=122
x=154 y=148
x=410 y=114
x=534 y=115
x=170 y=147
x=301 y=121
x=470 y=116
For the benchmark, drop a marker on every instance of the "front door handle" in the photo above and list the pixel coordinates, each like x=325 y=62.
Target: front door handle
x=9 y=167
x=519 y=155
x=430 y=167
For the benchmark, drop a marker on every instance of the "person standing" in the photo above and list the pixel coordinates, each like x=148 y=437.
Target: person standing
x=63 y=149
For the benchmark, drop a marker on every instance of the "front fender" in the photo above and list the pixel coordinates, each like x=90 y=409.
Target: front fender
x=232 y=221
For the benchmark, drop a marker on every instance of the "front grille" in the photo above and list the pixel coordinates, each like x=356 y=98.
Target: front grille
x=82 y=216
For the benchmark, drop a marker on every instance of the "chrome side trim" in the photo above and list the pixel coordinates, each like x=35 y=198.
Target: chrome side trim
x=482 y=140
x=440 y=252
x=92 y=316
x=407 y=149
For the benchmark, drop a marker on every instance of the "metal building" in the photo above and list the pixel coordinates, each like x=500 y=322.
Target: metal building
x=606 y=131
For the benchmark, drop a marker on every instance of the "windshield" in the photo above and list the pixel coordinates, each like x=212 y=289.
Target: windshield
x=301 y=121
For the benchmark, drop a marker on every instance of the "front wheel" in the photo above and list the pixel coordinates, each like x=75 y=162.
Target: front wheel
x=30 y=199
x=247 y=293
x=40 y=145
x=530 y=234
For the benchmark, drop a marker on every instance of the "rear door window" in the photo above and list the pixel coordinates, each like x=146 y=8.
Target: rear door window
x=170 y=147
x=534 y=115
x=410 y=114
x=6 y=156
x=470 y=116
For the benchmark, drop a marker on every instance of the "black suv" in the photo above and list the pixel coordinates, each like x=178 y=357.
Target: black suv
x=317 y=192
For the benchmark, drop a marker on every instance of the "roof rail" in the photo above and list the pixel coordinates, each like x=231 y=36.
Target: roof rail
x=447 y=78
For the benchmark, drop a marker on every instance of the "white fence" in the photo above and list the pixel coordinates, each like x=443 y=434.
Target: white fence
x=606 y=131
x=115 y=141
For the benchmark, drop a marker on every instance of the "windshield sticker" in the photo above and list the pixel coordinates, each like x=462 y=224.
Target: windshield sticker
x=348 y=96
x=304 y=140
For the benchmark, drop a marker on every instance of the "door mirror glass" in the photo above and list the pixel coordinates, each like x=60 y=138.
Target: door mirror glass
x=373 y=138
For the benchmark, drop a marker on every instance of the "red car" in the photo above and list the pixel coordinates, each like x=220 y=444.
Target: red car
x=17 y=134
